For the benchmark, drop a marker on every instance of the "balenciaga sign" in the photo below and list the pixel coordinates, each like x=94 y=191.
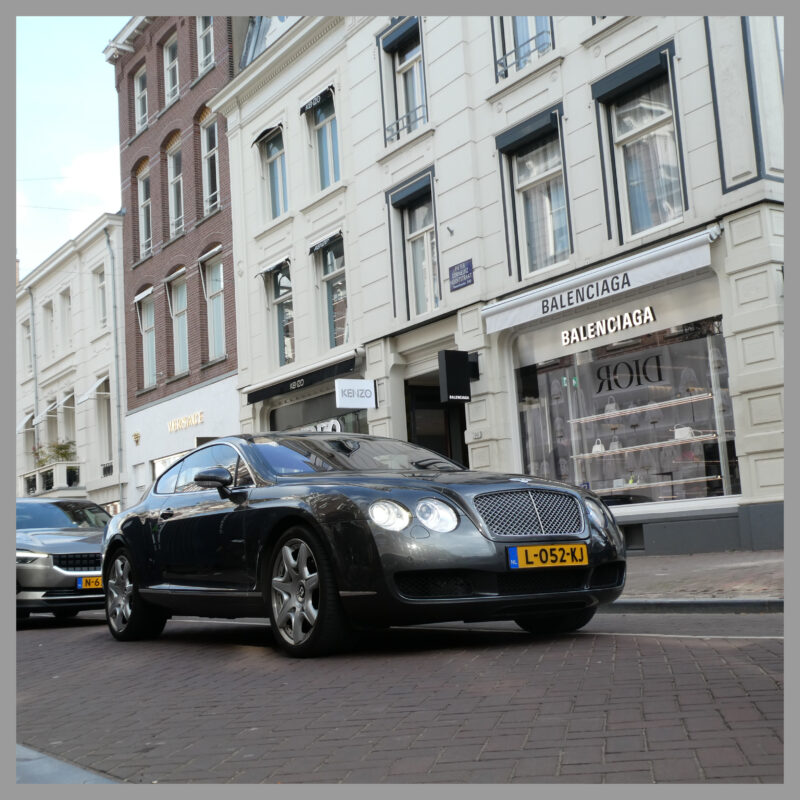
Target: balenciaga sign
x=607 y=325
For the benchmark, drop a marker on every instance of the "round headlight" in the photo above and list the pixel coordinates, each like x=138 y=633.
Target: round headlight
x=595 y=512
x=389 y=515
x=436 y=515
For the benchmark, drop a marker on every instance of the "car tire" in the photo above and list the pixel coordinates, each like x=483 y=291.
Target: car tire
x=559 y=622
x=300 y=592
x=65 y=613
x=129 y=617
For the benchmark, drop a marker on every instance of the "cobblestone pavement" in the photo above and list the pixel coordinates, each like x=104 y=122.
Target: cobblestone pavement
x=216 y=703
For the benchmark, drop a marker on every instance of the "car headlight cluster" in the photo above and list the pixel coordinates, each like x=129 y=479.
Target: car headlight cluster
x=433 y=514
x=29 y=556
x=602 y=518
x=595 y=513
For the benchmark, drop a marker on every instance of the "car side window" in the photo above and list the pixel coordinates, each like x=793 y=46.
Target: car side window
x=243 y=476
x=219 y=455
x=166 y=483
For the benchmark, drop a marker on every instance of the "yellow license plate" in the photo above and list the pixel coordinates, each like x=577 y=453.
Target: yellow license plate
x=91 y=582
x=547 y=555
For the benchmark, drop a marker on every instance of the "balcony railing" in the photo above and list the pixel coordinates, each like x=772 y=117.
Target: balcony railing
x=408 y=122
x=524 y=53
x=58 y=475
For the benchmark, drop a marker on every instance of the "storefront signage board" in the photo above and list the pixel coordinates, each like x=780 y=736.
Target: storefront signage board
x=351 y=393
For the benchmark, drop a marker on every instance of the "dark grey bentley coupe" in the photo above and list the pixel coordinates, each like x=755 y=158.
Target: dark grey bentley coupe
x=329 y=532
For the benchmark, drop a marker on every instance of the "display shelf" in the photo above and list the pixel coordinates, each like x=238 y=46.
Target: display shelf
x=681 y=482
x=621 y=412
x=708 y=437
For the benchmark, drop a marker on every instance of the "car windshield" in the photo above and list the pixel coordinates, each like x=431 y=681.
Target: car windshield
x=63 y=514
x=296 y=455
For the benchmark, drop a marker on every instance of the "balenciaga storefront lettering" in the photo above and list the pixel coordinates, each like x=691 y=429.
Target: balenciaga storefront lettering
x=613 y=324
x=583 y=294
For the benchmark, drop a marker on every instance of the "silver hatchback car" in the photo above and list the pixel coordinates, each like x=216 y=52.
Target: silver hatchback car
x=58 y=556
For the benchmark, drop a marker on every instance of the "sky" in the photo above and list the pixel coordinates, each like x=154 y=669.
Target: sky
x=67 y=134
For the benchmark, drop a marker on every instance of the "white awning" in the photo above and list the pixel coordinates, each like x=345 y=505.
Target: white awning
x=22 y=424
x=41 y=417
x=273 y=267
x=142 y=295
x=92 y=391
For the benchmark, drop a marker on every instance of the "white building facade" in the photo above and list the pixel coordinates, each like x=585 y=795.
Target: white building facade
x=589 y=209
x=70 y=371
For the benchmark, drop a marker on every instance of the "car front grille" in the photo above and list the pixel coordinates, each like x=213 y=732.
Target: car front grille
x=529 y=512
x=78 y=562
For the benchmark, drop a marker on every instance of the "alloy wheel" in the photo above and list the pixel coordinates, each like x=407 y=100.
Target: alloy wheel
x=120 y=593
x=295 y=591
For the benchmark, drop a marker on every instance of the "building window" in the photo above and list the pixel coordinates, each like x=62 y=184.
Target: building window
x=261 y=33
x=171 y=87
x=331 y=261
x=325 y=140
x=205 y=43
x=140 y=99
x=104 y=429
x=644 y=419
x=145 y=219
x=521 y=40
x=273 y=165
x=100 y=302
x=215 y=307
x=177 y=296
x=282 y=296
x=646 y=156
x=209 y=143
x=407 y=105
x=175 y=179
x=27 y=346
x=68 y=416
x=421 y=259
x=65 y=308
x=541 y=203
x=48 y=324
x=145 y=309
x=51 y=417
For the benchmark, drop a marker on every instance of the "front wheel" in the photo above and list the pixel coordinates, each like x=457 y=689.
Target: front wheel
x=128 y=616
x=305 y=614
x=557 y=622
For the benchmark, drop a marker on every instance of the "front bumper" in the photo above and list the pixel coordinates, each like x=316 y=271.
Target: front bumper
x=44 y=587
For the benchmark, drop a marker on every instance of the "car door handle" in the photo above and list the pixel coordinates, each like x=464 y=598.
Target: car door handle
x=166 y=513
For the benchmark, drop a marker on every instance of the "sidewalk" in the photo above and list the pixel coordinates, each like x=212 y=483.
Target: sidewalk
x=741 y=581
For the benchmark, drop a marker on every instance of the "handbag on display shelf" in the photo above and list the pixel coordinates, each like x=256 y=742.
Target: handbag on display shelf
x=683 y=432
x=598 y=446
x=611 y=405
x=614 y=443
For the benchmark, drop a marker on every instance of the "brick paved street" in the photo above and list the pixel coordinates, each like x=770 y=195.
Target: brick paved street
x=216 y=703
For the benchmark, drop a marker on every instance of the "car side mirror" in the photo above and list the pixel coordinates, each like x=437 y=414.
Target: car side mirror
x=220 y=479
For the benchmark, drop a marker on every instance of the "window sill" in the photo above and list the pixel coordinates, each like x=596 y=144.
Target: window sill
x=104 y=331
x=137 y=135
x=325 y=195
x=142 y=260
x=273 y=225
x=178 y=377
x=215 y=361
x=147 y=390
x=549 y=273
x=602 y=28
x=426 y=132
x=168 y=106
x=653 y=234
x=529 y=73
x=175 y=238
x=207 y=217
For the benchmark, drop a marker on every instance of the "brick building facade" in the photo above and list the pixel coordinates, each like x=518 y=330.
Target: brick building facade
x=178 y=270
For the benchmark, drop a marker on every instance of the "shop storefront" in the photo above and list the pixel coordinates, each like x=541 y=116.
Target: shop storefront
x=619 y=377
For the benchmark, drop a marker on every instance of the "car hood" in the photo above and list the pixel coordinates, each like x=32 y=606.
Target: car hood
x=60 y=540
x=464 y=482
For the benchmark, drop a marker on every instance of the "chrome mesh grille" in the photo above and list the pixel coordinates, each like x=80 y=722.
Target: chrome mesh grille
x=514 y=513
x=78 y=562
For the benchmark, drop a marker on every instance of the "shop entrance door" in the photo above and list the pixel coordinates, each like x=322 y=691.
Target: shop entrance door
x=436 y=425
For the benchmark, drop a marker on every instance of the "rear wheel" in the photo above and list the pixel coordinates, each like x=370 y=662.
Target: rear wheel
x=128 y=616
x=558 y=622
x=305 y=614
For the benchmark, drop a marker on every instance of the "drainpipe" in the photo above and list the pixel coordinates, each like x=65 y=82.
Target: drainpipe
x=122 y=503
x=35 y=370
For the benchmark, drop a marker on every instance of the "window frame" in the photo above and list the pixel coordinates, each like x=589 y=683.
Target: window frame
x=148 y=339
x=326 y=281
x=100 y=297
x=215 y=303
x=205 y=40
x=431 y=275
x=505 y=31
x=328 y=130
x=171 y=83
x=27 y=345
x=175 y=190
x=281 y=300
x=48 y=328
x=145 y=214
x=180 y=322
x=278 y=163
x=140 y=113
x=209 y=161
x=65 y=317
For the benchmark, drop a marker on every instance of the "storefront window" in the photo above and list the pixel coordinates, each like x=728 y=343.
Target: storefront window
x=320 y=414
x=645 y=419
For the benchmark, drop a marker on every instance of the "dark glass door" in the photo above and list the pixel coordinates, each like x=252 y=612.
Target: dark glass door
x=436 y=425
